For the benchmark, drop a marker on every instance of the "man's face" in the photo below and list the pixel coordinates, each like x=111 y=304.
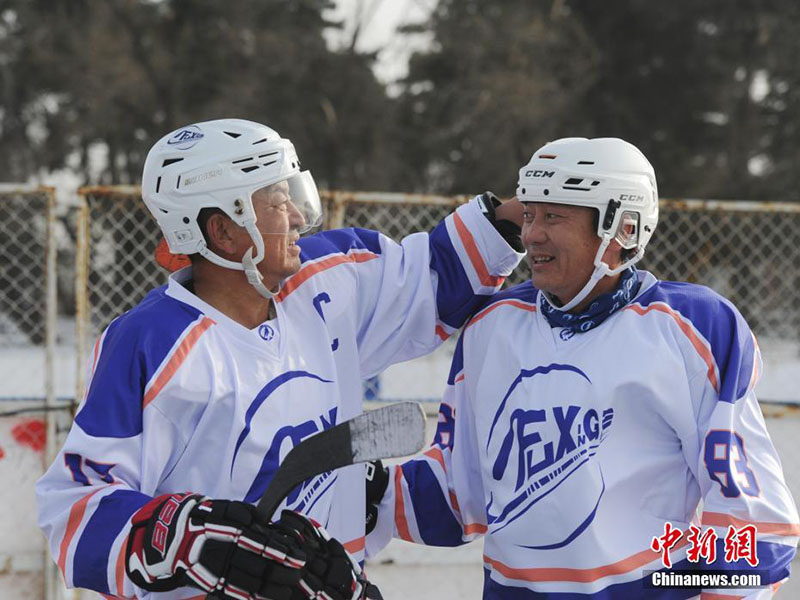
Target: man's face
x=561 y=242
x=278 y=220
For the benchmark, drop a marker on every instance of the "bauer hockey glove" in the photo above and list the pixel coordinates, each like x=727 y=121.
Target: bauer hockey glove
x=225 y=549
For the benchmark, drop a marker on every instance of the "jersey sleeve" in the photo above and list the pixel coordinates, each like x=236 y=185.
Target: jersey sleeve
x=110 y=463
x=745 y=498
x=436 y=498
x=420 y=291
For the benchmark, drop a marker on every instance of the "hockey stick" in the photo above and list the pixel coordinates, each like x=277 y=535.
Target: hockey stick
x=391 y=431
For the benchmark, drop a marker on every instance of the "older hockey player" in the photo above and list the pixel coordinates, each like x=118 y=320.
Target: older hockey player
x=197 y=394
x=588 y=408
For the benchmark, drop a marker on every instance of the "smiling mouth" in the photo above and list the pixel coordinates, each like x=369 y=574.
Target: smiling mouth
x=542 y=259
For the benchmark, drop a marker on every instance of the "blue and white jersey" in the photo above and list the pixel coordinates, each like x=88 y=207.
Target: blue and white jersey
x=182 y=398
x=570 y=455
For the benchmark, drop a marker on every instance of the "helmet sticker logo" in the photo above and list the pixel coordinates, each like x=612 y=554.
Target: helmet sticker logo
x=539 y=173
x=202 y=177
x=631 y=198
x=186 y=138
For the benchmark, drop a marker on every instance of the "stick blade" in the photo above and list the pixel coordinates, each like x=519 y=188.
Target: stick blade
x=392 y=431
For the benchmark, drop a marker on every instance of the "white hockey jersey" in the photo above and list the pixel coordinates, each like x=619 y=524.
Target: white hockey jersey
x=570 y=455
x=182 y=398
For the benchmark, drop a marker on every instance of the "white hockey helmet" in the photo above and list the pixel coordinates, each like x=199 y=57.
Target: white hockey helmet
x=608 y=174
x=220 y=164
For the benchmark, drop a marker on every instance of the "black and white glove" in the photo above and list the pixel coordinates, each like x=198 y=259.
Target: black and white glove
x=510 y=231
x=377 y=481
x=224 y=548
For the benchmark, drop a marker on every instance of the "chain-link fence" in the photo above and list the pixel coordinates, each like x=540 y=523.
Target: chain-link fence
x=746 y=251
x=27 y=395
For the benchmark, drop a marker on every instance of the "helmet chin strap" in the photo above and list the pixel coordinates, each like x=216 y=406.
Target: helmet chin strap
x=601 y=269
x=249 y=262
x=254 y=277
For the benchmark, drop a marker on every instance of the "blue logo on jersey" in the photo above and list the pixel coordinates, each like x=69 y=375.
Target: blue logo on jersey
x=541 y=447
x=308 y=492
x=186 y=138
x=266 y=332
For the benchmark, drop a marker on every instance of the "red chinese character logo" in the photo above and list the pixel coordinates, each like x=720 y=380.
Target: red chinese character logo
x=741 y=544
x=704 y=545
x=665 y=542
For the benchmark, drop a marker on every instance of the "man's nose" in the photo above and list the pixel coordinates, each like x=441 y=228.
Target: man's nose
x=296 y=217
x=533 y=233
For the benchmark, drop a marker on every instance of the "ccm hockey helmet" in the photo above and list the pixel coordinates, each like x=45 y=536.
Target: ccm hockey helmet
x=608 y=174
x=220 y=164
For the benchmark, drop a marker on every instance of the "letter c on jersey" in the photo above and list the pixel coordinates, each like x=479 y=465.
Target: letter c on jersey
x=318 y=300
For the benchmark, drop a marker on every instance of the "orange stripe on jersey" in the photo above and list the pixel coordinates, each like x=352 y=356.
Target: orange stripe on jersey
x=400 y=506
x=702 y=349
x=442 y=333
x=356 y=545
x=515 y=303
x=120 y=569
x=460 y=378
x=96 y=355
x=723 y=520
x=625 y=565
x=308 y=271
x=470 y=528
x=75 y=517
x=436 y=454
x=176 y=360
x=474 y=254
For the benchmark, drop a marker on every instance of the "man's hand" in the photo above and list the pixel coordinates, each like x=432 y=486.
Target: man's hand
x=225 y=549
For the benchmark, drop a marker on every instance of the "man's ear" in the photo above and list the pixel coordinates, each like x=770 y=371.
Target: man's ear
x=613 y=255
x=221 y=235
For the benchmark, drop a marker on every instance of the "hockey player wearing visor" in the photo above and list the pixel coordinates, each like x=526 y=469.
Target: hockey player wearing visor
x=592 y=405
x=197 y=394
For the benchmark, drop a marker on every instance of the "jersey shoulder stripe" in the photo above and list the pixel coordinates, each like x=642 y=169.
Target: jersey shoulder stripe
x=715 y=328
x=338 y=241
x=521 y=296
x=134 y=347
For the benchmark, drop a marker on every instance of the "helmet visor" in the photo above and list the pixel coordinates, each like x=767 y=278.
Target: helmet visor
x=305 y=197
x=298 y=196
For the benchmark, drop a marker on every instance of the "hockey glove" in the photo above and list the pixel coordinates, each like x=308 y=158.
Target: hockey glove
x=330 y=572
x=377 y=481
x=224 y=548
x=509 y=230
